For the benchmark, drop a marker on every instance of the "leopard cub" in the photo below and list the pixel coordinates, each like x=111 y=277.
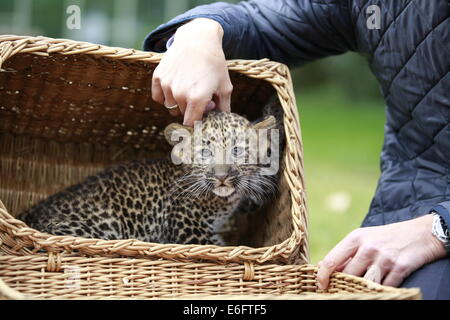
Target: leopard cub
x=169 y=200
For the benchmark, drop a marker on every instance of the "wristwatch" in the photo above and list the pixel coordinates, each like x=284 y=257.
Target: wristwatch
x=440 y=230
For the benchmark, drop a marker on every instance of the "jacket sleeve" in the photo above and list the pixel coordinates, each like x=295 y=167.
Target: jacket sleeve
x=289 y=31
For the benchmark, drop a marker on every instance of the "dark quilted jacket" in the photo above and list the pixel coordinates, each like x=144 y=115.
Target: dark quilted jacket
x=409 y=55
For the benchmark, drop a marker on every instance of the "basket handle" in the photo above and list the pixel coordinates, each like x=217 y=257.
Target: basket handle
x=249 y=271
x=9 y=293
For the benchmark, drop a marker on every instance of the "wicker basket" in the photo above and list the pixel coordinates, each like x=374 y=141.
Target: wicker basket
x=69 y=109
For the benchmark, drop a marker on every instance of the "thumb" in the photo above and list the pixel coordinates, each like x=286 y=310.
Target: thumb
x=223 y=101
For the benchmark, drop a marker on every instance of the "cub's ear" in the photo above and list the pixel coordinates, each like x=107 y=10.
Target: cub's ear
x=268 y=123
x=174 y=131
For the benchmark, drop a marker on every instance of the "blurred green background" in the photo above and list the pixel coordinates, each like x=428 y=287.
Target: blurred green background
x=341 y=110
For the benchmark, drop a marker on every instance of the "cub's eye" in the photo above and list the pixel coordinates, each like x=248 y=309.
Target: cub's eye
x=237 y=151
x=206 y=153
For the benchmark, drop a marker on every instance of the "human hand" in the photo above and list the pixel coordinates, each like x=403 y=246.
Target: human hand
x=193 y=72
x=384 y=254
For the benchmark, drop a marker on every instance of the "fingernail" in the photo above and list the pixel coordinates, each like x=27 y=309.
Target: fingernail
x=320 y=286
x=210 y=106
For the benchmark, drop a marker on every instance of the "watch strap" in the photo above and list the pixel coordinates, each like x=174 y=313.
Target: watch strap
x=445 y=218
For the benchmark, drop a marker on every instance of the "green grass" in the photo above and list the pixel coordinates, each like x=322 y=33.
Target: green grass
x=342 y=141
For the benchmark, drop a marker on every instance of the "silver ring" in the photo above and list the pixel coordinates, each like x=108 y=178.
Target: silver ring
x=175 y=106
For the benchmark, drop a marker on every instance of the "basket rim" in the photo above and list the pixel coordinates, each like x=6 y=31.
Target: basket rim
x=375 y=291
x=11 y=45
x=29 y=237
x=277 y=74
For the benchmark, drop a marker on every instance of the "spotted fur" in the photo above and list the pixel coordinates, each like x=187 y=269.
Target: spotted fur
x=156 y=200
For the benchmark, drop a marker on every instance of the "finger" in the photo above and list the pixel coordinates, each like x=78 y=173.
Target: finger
x=224 y=99
x=180 y=99
x=157 y=92
x=362 y=260
x=342 y=266
x=382 y=266
x=343 y=251
x=194 y=111
x=394 y=279
x=169 y=101
x=398 y=273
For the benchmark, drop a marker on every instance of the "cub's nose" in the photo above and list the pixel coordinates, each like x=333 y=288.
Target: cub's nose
x=221 y=172
x=221 y=177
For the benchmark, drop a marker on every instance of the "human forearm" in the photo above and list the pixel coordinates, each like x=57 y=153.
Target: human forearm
x=200 y=31
x=293 y=32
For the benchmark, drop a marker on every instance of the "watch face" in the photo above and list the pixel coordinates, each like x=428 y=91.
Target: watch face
x=445 y=228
